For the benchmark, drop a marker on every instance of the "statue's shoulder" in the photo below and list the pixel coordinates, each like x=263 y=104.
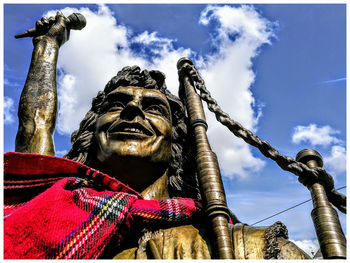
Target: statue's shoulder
x=249 y=242
x=180 y=242
x=264 y=243
x=193 y=242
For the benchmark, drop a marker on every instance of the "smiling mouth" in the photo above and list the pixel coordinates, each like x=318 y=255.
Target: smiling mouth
x=125 y=128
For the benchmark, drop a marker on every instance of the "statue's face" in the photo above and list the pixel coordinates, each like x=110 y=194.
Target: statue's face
x=135 y=123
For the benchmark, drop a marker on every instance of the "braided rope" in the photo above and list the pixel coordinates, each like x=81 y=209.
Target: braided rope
x=306 y=175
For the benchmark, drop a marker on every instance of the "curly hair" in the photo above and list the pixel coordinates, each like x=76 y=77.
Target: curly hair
x=182 y=180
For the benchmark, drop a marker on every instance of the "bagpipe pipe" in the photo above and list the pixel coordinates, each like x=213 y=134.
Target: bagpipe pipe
x=307 y=166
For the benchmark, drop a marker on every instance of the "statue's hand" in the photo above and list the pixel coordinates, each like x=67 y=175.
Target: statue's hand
x=54 y=28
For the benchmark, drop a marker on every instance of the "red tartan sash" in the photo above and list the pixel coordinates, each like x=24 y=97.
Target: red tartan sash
x=56 y=208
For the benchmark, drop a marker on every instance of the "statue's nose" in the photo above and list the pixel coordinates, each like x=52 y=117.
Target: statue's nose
x=131 y=111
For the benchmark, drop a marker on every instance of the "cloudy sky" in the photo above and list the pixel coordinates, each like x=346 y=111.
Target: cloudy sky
x=280 y=70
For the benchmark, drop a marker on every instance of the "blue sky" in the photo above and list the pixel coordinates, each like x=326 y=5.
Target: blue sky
x=279 y=69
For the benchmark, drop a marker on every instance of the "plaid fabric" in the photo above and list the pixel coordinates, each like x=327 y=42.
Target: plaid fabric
x=56 y=208
x=177 y=210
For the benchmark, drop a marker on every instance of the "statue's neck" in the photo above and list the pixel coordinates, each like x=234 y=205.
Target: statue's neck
x=158 y=190
x=149 y=180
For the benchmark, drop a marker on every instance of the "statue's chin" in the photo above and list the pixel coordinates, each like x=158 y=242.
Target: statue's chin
x=133 y=147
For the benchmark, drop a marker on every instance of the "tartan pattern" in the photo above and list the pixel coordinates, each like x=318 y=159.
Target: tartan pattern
x=18 y=191
x=8 y=209
x=172 y=210
x=106 y=217
x=103 y=210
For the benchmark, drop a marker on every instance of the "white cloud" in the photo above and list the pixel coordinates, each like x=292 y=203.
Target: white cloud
x=243 y=23
x=68 y=96
x=309 y=246
x=146 y=38
x=334 y=80
x=8 y=110
x=234 y=155
x=11 y=83
x=61 y=153
x=336 y=160
x=229 y=76
x=163 y=56
x=99 y=51
x=315 y=135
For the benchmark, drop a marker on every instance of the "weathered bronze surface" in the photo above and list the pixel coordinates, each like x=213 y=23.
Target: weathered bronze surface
x=74 y=21
x=38 y=104
x=192 y=242
x=134 y=135
x=329 y=232
x=207 y=166
x=136 y=131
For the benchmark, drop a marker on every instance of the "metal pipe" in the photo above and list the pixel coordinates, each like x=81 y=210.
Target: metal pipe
x=326 y=221
x=209 y=177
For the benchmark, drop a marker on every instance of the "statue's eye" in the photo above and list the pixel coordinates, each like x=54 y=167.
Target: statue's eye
x=154 y=109
x=116 y=106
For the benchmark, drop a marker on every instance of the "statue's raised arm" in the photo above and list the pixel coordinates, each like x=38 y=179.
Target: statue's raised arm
x=37 y=109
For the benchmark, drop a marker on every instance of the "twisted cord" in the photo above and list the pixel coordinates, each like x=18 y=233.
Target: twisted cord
x=306 y=175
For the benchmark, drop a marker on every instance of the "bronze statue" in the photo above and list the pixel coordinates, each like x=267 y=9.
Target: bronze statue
x=326 y=221
x=137 y=132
